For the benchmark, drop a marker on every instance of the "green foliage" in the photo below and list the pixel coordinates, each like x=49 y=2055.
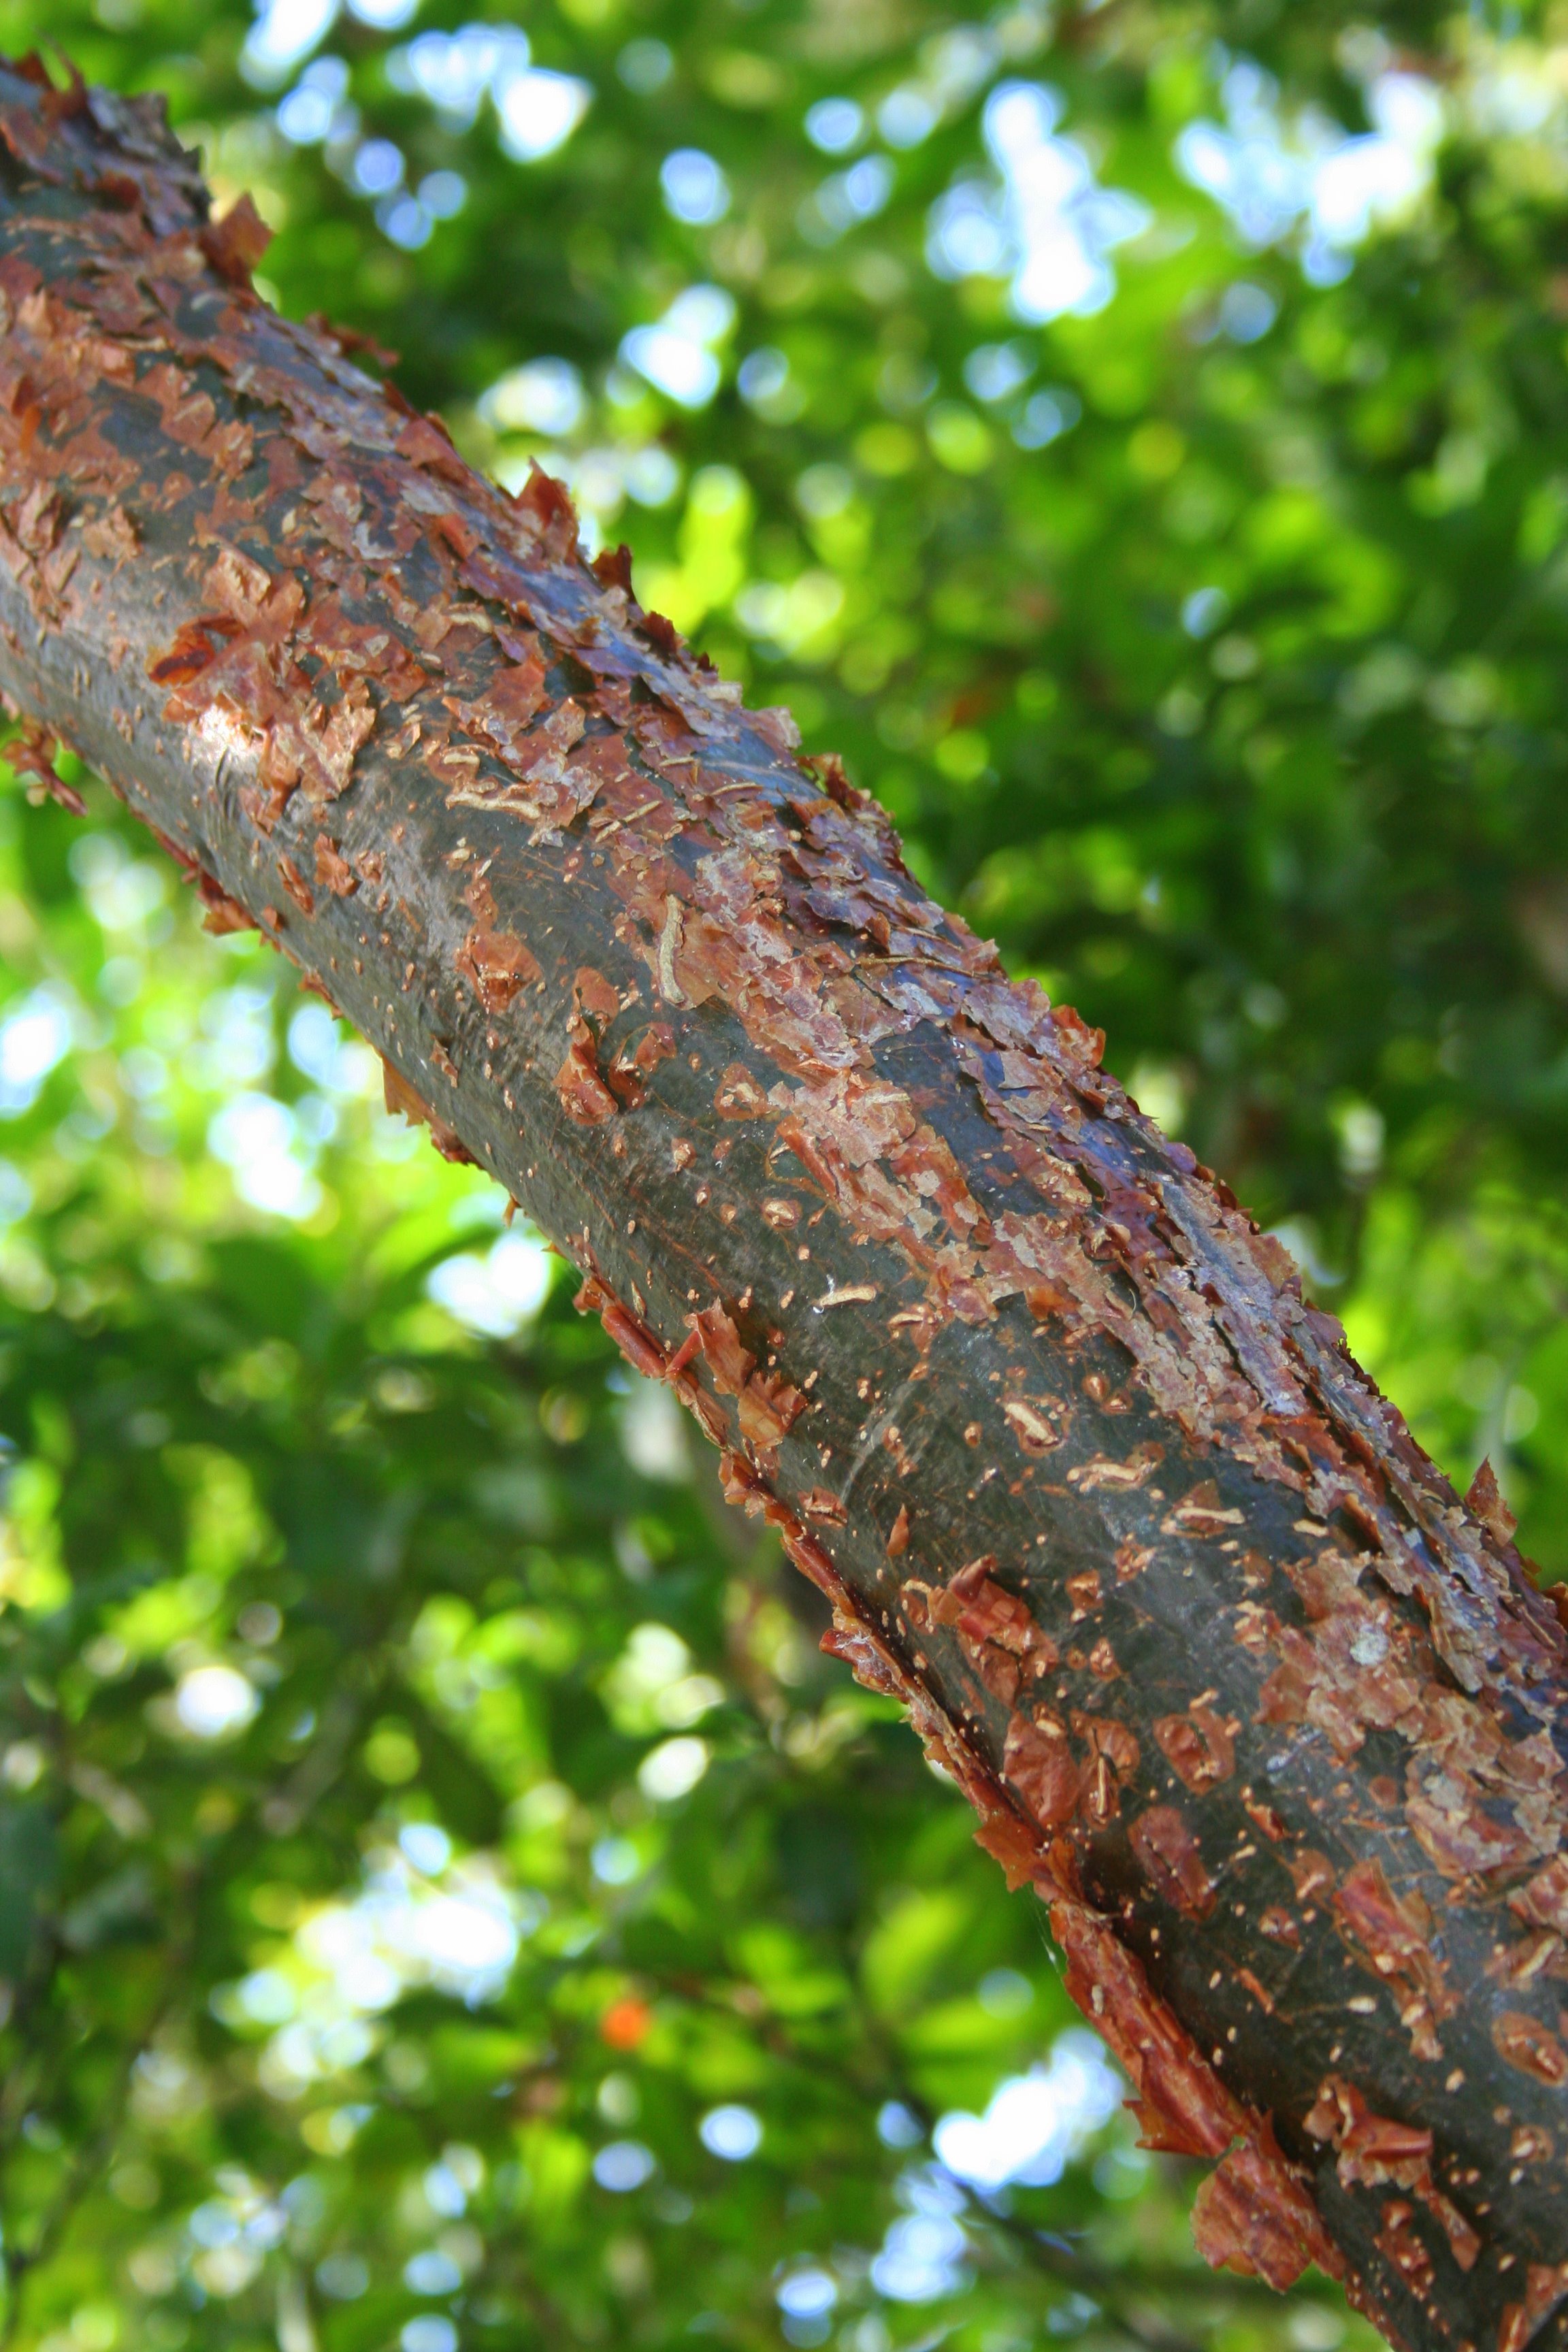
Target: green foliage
x=421 y=1806
x=419 y=1822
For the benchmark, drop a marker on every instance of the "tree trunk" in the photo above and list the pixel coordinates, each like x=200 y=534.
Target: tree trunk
x=1273 y=1724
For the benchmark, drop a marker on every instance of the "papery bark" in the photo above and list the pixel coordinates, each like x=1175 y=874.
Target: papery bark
x=1273 y=1722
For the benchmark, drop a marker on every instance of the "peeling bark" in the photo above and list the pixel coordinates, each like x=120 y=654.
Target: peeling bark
x=1272 y=1722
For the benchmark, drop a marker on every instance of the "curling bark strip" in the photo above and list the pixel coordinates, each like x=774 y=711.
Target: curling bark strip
x=1272 y=1721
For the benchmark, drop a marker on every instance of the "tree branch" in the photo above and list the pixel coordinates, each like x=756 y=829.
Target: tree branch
x=1267 y=1717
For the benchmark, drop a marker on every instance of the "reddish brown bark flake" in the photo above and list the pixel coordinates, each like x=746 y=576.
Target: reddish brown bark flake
x=1373 y=2150
x=1546 y=2286
x=1168 y=1850
x=1400 y=2240
x=1465 y=2241
x=1199 y=1748
x=220 y=913
x=333 y=873
x=1251 y=2216
x=1037 y=1763
x=1543 y=1900
x=583 y=1094
x=1201 y=1513
x=1530 y=2046
x=1083 y=1593
x=32 y=752
x=1392 y=1935
x=1111 y=1762
x=635 y=1064
x=496 y=964
x=294 y=882
x=235 y=244
x=1484 y=1498
x=1182 y=2107
x=112 y=535
x=738 y=1094
x=401 y=1096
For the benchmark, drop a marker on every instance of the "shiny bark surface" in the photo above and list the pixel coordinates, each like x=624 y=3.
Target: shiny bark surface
x=1271 y=1720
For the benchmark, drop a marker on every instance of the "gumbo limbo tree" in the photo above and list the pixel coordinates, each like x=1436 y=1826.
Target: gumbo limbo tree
x=1271 y=1721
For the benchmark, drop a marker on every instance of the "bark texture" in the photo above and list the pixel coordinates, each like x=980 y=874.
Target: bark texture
x=1274 y=1724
